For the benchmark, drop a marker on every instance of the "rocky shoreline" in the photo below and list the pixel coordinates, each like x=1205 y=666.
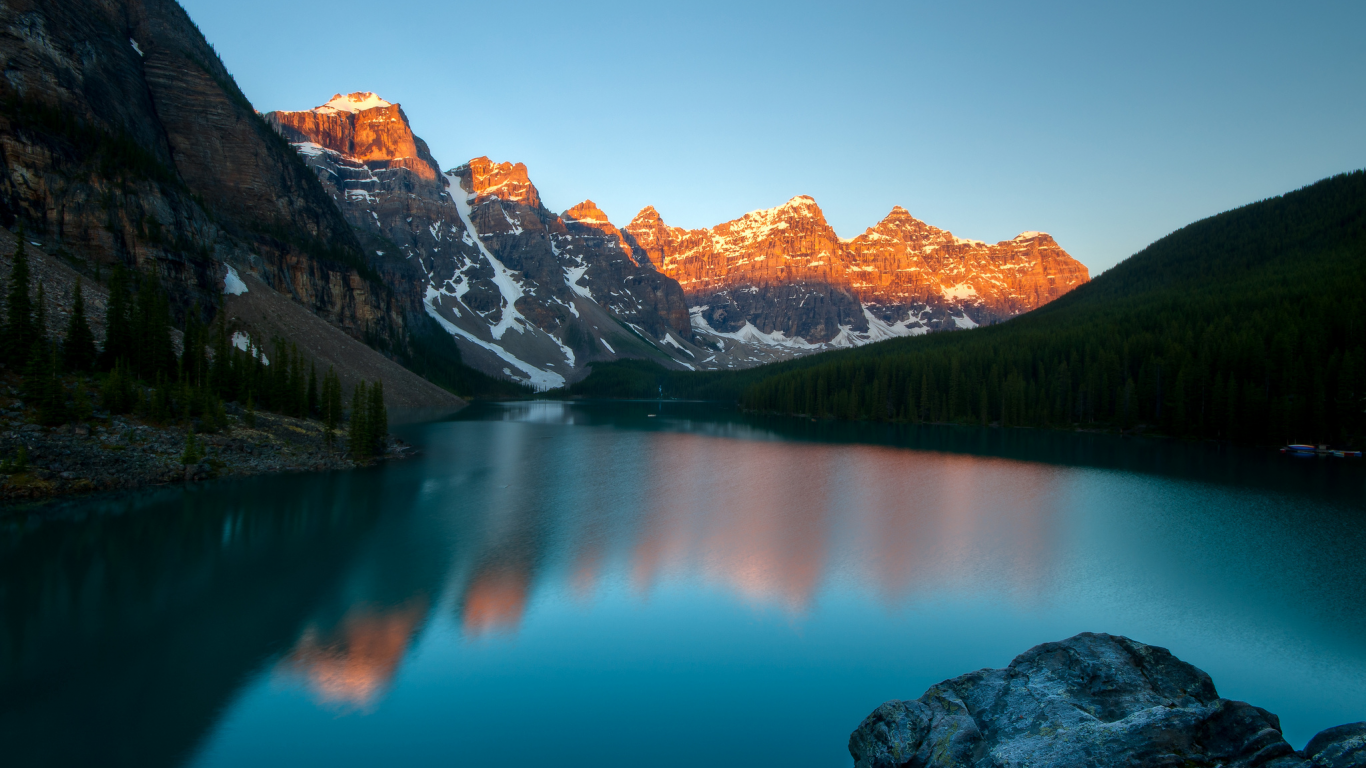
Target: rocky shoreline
x=124 y=452
x=1090 y=700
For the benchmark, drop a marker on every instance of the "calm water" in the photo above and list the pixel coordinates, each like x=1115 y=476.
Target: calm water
x=676 y=585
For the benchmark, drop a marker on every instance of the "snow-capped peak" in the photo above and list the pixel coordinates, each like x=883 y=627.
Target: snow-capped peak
x=354 y=102
x=1030 y=235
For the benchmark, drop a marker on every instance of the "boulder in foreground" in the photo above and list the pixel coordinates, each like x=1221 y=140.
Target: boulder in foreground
x=1091 y=700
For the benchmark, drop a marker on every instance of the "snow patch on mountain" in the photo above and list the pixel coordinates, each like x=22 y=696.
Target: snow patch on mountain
x=539 y=379
x=503 y=277
x=353 y=103
x=959 y=292
x=243 y=342
x=232 y=283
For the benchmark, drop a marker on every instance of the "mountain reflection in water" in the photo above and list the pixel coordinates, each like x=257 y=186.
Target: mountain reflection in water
x=659 y=576
x=354 y=663
x=766 y=520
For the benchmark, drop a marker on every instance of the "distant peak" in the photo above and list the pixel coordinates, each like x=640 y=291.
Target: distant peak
x=506 y=181
x=353 y=103
x=1030 y=235
x=587 y=211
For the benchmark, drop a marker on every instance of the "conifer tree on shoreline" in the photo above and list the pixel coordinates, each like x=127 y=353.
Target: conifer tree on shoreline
x=78 y=351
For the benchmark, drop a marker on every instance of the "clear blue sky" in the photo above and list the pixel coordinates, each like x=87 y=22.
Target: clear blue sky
x=1106 y=124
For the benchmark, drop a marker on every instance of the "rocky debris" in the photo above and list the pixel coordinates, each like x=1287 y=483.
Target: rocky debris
x=901 y=277
x=58 y=279
x=1090 y=700
x=122 y=452
x=265 y=315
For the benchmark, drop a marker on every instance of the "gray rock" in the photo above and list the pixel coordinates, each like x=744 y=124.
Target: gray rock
x=1091 y=700
x=1340 y=747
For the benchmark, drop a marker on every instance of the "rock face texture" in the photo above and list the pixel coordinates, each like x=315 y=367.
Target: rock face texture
x=1091 y=700
x=365 y=128
x=783 y=275
x=125 y=140
x=505 y=181
x=527 y=294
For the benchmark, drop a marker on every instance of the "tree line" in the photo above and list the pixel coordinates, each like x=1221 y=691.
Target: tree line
x=139 y=371
x=1247 y=326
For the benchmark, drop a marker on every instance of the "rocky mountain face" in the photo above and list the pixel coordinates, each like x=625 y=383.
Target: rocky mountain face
x=125 y=140
x=526 y=294
x=1094 y=700
x=782 y=277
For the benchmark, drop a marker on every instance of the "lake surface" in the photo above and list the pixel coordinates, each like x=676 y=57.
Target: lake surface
x=658 y=584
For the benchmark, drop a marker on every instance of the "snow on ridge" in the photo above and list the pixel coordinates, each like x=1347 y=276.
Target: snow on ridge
x=310 y=149
x=749 y=333
x=539 y=380
x=572 y=275
x=878 y=330
x=1030 y=235
x=352 y=103
x=507 y=285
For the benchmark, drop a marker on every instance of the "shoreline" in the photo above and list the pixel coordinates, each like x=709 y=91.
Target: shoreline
x=119 y=453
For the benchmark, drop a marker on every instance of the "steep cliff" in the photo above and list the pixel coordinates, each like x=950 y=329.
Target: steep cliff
x=124 y=139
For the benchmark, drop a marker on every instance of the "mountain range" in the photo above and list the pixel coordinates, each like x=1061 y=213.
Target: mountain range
x=538 y=296
x=125 y=140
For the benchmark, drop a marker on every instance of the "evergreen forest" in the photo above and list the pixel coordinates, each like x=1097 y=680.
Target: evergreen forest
x=1245 y=326
x=140 y=372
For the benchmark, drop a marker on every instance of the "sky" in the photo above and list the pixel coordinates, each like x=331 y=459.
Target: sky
x=1107 y=125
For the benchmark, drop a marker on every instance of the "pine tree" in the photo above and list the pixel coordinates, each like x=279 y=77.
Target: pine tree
x=193 y=452
x=193 y=363
x=331 y=404
x=152 y=350
x=40 y=318
x=359 y=432
x=311 y=407
x=377 y=418
x=51 y=400
x=19 y=331
x=82 y=410
x=78 y=352
x=118 y=336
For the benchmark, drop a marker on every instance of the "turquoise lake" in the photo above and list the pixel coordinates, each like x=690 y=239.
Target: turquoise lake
x=662 y=584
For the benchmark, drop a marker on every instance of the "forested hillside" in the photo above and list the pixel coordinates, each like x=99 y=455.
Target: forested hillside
x=1245 y=326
